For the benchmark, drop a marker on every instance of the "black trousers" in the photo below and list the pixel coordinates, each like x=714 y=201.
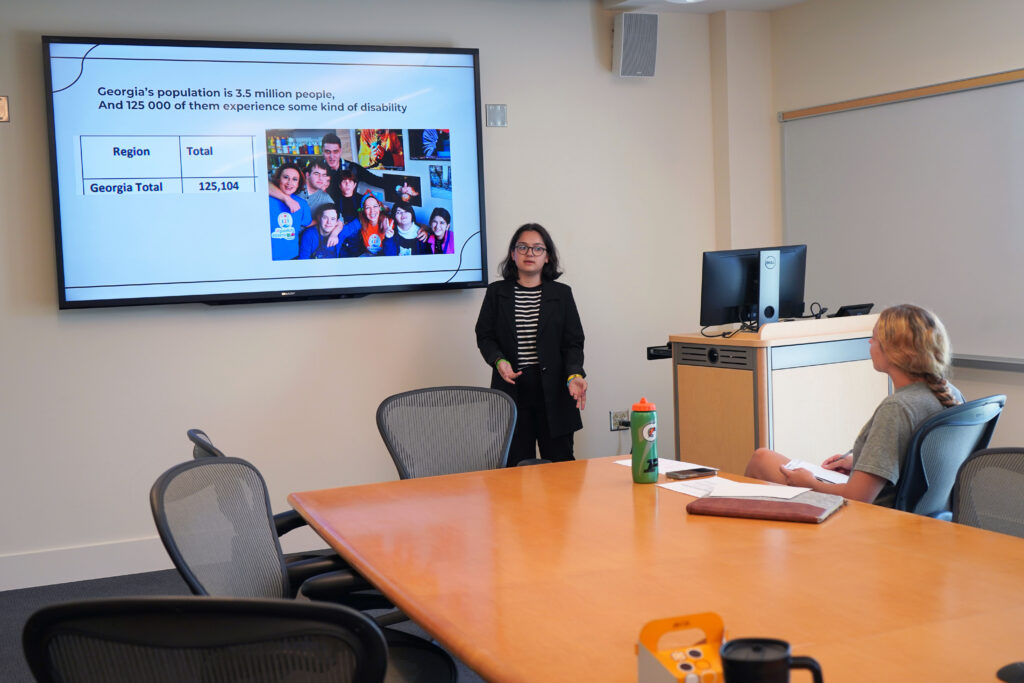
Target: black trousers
x=532 y=424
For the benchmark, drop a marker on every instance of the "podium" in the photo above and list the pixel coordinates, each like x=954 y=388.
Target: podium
x=803 y=388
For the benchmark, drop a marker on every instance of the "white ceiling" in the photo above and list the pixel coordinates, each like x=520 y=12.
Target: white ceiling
x=704 y=7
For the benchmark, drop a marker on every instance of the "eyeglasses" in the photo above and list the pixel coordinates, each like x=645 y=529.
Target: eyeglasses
x=533 y=251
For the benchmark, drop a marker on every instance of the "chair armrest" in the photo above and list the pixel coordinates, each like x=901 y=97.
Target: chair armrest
x=288 y=520
x=944 y=515
x=333 y=586
x=349 y=588
x=306 y=568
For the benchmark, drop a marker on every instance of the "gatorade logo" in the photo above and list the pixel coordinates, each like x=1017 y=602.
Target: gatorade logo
x=649 y=432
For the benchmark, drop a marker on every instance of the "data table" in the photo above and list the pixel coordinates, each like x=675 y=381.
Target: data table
x=167 y=164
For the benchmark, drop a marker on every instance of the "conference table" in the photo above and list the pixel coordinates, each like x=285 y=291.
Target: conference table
x=548 y=573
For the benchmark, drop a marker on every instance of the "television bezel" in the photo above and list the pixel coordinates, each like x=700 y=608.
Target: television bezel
x=271 y=295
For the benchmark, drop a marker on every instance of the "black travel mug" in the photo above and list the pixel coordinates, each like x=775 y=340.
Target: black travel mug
x=763 y=660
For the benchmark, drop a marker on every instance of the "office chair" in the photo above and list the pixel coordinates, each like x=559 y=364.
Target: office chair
x=939 y=446
x=988 y=491
x=304 y=563
x=445 y=430
x=203 y=448
x=177 y=639
x=213 y=517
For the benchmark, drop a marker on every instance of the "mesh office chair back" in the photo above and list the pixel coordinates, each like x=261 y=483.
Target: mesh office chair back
x=938 y=448
x=988 y=491
x=170 y=640
x=203 y=445
x=213 y=516
x=445 y=430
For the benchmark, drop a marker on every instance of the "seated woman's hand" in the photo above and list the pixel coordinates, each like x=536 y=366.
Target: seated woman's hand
x=840 y=463
x=798 y=477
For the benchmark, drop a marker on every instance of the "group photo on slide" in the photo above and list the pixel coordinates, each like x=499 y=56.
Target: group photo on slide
x=345 y=193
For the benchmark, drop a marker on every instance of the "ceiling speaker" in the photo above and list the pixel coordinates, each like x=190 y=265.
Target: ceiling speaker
x=634 y=44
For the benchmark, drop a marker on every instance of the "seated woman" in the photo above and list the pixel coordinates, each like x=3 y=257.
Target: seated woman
x=366 y=234
x=409 y=239
x=442 y=239
x=285 y=222
x=910 y=345
x=313 y=243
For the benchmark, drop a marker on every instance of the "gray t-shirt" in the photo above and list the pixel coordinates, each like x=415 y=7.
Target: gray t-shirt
x=881 y=446
x=316 y=199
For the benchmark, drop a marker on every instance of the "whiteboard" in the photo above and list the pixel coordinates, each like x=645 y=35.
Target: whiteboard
x=919 y=201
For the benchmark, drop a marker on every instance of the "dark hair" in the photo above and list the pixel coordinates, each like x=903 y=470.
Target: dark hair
x=281 y=169
x=317 y=163
x=550 y=271
x=331 y=139
x=405 y=206
x=443 y=213
x=318 y=212
x=346 y=175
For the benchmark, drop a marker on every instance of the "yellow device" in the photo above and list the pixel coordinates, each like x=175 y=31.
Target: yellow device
x=681 y=649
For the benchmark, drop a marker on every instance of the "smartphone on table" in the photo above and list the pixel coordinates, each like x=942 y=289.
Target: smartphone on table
x=693 y=473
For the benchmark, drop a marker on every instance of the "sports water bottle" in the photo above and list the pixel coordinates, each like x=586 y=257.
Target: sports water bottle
x=643 y=426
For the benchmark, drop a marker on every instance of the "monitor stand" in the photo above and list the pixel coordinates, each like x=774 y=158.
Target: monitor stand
x=768 y=296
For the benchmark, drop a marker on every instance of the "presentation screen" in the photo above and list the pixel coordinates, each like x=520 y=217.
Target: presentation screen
x=233 y=172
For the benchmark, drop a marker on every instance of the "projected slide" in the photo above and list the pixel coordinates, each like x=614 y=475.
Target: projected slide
x=186 y=171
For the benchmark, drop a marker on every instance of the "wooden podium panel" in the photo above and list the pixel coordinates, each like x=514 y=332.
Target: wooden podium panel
x=714 y=416
x=803 y=388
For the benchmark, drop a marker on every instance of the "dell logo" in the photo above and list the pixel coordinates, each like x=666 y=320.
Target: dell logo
x=769 y=262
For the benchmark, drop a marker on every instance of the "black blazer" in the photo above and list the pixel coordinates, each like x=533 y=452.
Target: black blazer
x=559 y=346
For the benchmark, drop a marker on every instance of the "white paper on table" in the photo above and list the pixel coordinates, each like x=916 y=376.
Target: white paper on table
x=818 y=471
x=692 y=487
x=665 y=465
x=734 y=489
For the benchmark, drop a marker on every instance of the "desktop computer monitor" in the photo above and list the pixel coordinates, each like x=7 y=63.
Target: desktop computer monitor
x=752 y=285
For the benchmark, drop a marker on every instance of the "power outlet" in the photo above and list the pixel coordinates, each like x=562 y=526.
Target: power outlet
x=618 y=420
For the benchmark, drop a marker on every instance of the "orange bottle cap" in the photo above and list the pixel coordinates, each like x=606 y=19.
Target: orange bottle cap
x=643 y=405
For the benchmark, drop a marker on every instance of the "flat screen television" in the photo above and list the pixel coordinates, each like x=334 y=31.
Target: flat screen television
x=730 y=284
x=166 y=156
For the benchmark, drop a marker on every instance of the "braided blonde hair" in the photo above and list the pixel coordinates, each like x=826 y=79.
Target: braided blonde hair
x=915 y=341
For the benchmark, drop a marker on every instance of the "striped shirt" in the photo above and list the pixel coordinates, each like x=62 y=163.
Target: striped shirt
x=527 y=304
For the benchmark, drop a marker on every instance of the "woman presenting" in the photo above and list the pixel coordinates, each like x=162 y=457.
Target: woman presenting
x=529 y=332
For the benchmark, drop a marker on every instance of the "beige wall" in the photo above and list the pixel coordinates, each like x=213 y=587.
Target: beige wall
x=833 y=50
x=94 y=404
x=747 y=197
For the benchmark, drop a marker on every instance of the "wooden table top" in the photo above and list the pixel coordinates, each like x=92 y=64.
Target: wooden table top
x=548 y=573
